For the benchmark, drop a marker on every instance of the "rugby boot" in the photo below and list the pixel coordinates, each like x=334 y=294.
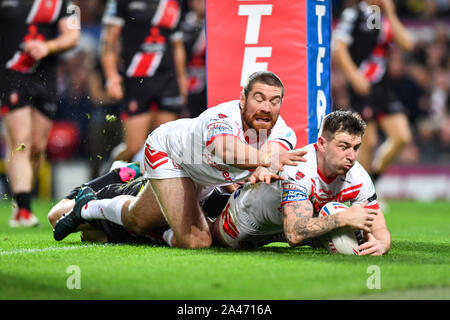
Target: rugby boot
x=70 y=222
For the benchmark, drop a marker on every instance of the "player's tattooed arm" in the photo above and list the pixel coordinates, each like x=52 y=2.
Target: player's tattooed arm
x=110 y=59
x=299 y=224
x=110 y=39
x=110 y=48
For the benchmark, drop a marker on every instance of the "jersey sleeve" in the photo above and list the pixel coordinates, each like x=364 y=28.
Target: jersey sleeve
x=346 y=25
x=217 y=127
x=296 y=186
x=283 y=135
x=367 y=193
x=113 y=14
x=68 y=9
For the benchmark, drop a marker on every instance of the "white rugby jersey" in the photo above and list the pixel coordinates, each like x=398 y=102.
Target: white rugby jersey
x=186 y=140
x=257 y=208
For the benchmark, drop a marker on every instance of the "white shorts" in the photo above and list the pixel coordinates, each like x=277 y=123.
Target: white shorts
x=158 y=165
x=238 y=231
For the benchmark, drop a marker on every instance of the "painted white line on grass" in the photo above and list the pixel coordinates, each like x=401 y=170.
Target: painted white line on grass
x=34 y=250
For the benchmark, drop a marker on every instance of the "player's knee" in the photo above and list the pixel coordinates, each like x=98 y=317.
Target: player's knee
x=35 y=155
x=401 y=140
x=59 y=209
x=52 y=217
x=371 y=142
x=134 y=220
x=196 y=240
x=138 y=224
x=406 y=138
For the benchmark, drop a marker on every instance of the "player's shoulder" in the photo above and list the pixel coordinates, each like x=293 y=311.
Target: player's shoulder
x=226 y=107
x=358 y=174
x=175 y=127
x=347 y=23
x=227 y=111
x=305 y=169
x=350 y=14
x=280 y=124
x=281 y=131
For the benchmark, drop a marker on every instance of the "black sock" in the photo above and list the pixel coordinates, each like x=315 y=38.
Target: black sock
x=23 y=200
x=107 y=179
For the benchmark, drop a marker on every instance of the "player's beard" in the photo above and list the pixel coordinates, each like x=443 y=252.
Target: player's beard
x=251 y=121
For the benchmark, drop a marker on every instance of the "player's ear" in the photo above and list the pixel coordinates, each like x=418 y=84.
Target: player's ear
x=321 y=142
x=242 y=99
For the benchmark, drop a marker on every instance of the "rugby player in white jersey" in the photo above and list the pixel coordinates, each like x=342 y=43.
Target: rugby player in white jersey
x=257 y=212
x=218 y=148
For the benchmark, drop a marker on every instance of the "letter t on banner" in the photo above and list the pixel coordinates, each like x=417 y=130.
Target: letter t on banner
x=288 y=37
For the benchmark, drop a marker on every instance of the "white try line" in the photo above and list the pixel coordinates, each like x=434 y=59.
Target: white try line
x=34 y=250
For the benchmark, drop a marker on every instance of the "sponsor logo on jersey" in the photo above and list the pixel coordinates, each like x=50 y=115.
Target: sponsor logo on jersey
x=372 y=198
x=137 y=5
x=299 y=175
x=293 y=192
x=9 y=3
x=218 y=128
x=220 y=124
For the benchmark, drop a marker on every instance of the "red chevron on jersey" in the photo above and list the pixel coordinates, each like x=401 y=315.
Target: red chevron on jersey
x=348 y=193
x=22 y=61
x=144 y=64
x=155 y=158
x=345 y=195
x=228 y=226
x=167 y=14
x=44 y=11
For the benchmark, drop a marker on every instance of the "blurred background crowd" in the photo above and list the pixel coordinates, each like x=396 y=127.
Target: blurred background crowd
x=422 y=78
x=88 y=123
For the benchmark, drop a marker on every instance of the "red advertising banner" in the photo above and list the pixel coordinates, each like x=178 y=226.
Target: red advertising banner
x=244 y=36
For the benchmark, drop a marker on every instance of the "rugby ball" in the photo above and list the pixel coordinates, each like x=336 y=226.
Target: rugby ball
x=343 y=240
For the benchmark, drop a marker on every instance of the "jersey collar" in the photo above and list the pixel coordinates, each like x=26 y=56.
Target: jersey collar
x=321 y=175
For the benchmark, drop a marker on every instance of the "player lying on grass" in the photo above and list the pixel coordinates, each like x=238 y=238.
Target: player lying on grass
x=124 y=179
x=255 y=213
x=185 y=157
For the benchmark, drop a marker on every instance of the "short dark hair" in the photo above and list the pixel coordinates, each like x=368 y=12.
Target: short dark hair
x=265 y=77
x=342 y=121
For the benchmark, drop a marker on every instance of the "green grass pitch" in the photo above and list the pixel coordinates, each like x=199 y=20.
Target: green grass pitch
x=34 y=266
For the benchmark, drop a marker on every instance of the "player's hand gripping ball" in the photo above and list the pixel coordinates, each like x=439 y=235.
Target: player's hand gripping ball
x=342 y=240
